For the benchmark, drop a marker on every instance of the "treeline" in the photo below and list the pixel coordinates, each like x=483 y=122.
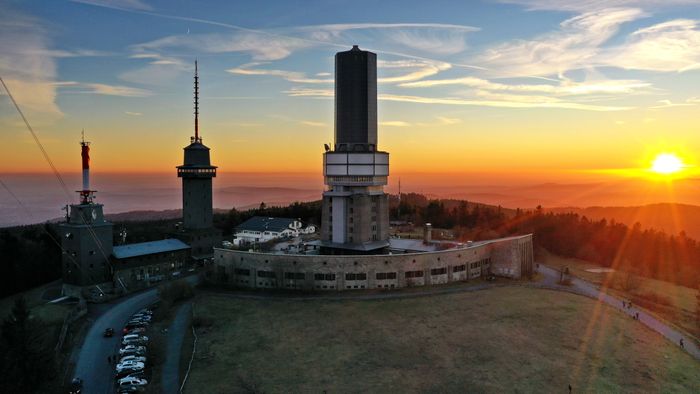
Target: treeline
x=651 y=253
x=29 y=257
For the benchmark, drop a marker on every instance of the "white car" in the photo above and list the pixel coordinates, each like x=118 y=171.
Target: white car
x=132 y=381
x=134 y=339
x=132 y=349
x=133 y=357
x=130 y=365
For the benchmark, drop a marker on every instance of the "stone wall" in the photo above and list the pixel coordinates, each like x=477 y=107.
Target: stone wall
x=507 y=257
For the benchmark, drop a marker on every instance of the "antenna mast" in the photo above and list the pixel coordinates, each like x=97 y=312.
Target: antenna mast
x=196 y=104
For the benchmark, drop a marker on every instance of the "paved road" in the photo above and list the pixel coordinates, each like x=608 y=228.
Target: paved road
x=170 y=377
x=580 y=286
x=92 y=365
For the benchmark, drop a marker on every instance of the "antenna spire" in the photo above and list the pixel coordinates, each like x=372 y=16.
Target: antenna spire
x=196 y=104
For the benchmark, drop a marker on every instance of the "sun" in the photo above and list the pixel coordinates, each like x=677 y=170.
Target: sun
x=666 y=163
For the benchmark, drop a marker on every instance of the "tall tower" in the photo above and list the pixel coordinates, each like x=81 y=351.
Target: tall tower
x=355 y=216
x=86 y=237
x=197 y=173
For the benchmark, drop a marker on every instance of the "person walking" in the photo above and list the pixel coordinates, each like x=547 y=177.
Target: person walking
x=109 y=360
x=682 y=344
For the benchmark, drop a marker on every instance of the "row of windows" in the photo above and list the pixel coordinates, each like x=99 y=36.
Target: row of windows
x=324 y=277
x=360 y=276
x=386 y=275
x=438 y=271
x=294 y=275
x=414 y=274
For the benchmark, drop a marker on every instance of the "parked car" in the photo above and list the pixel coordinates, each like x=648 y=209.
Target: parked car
x=128 y=389
x=133 y=357
x=131 y=366
x=138 y=342
x=132 y=381
x=132 y=348
x=134 y=338
x=109 y=332
x=139 y=375
x=135 y=330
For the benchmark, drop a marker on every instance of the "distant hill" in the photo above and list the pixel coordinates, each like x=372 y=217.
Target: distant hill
x=671 y=218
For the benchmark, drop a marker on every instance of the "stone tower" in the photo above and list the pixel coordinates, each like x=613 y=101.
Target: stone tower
x=355 y=216
x=197 y=173
x=86 y=238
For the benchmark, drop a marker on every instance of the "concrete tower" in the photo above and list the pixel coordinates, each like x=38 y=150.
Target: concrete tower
x=355 y=216
x=86 y=237
x=197 y=173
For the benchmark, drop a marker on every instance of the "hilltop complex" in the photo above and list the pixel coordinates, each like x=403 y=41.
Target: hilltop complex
x=355 y=250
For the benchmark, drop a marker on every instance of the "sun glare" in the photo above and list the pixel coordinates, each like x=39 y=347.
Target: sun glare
x=666 y=163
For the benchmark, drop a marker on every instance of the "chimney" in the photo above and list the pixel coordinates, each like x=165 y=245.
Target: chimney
x=428 y=233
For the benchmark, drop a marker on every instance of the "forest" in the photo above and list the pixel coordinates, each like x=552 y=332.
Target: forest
x=30 y=256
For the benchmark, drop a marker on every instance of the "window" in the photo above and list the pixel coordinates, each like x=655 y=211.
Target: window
x=324 y=276
x=360 y=276
x=294 y=275
x=414 y=274
x=438 y=271
x=241 y=271
x=386 y=275
x=459 y=268
x=266 y=274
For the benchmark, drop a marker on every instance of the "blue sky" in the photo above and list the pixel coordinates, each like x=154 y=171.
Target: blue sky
x=449 y=71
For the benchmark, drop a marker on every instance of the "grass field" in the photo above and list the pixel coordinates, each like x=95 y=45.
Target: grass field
x=509 y=339
x=49 y=313
x=672 y=302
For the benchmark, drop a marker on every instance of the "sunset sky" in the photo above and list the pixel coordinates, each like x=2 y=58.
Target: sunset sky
x=543 y=89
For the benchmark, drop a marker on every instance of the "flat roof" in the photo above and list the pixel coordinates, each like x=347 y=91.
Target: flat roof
x=146 y=248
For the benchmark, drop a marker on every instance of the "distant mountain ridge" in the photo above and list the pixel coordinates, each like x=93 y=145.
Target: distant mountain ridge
x=668 y=217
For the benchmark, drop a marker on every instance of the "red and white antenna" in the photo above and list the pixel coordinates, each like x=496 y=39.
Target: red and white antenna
x=86 y=194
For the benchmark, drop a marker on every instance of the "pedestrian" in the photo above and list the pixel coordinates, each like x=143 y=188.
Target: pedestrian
x=570 y=389
x=623 y=304
x=637 y=315
x=682 y=345
x=109 y=360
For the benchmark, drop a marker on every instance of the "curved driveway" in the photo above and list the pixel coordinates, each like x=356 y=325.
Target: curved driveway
x=92 y=365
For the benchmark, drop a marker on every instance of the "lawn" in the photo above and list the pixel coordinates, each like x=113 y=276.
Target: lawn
x=672 y=302
x=508 y=339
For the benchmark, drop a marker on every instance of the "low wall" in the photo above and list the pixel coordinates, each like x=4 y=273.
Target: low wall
x=509 y=257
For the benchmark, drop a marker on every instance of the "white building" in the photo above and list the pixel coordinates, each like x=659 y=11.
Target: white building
x=262 y=229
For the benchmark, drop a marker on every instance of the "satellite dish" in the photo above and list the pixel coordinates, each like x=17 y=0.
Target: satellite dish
x=326 y=147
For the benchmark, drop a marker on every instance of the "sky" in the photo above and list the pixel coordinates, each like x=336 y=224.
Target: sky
x=499 y=91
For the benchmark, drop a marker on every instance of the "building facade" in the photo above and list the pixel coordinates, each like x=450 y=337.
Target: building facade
x=355 y=213
x=508 y=257
x=144 y=264
x=260 y=229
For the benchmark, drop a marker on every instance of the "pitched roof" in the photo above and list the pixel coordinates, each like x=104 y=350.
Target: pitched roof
x=146 y=248
x=263 y=223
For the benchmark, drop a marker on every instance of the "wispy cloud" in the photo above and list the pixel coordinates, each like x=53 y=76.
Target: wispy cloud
x=118 y=4
x=587 y=5
x=26 y=65
x=575 y=45
x=448 y=121
x=502 y=101
x=563 y=88
x=669 y=46
x=435 y=38
x=394 y=123
x=133 y=113
x=670 y=104
x=292 y=76
x=103 y=89
x=313 y=123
